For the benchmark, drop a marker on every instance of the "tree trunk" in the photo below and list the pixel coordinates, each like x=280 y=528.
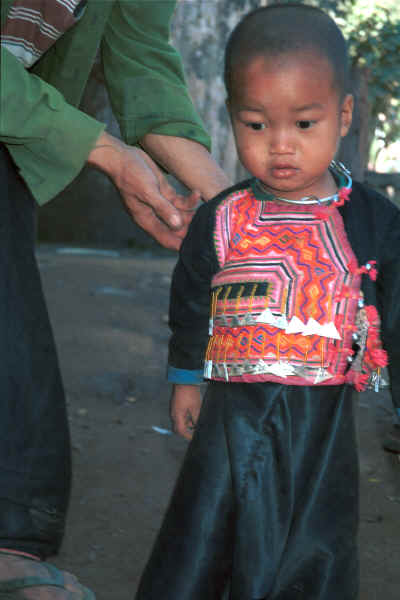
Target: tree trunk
x=200 y=32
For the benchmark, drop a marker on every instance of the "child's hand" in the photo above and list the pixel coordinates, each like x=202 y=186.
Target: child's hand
x=185 y=409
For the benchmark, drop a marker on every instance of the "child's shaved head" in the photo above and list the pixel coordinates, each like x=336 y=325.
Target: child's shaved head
x=287 y=29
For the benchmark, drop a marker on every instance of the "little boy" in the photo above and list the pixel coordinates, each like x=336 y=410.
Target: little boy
x=275 y=300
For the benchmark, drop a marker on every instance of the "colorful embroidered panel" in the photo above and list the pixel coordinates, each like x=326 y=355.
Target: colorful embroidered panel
x=284 y=300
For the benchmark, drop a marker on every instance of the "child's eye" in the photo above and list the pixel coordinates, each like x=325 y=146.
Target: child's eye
x=256 y=126
x=304 y=124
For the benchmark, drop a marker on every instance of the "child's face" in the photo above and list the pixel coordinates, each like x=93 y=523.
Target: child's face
x=288 y=120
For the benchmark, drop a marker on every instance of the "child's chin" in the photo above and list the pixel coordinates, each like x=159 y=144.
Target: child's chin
x=289 y=191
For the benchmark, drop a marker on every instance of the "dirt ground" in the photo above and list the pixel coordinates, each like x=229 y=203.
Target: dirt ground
x=109 y=317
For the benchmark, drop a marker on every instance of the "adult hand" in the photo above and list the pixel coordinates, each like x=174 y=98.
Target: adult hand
x=185 y=408
x=189 y=161
x=148 y=197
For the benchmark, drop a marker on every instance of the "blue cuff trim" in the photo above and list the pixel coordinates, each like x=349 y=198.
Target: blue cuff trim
x=398 y=412
x=185 y=376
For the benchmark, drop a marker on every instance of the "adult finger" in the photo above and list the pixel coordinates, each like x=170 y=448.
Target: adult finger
x=136 y=180
x=147 y=220
x=189 y=203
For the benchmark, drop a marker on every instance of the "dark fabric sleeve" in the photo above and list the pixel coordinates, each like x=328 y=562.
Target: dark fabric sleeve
x=388 y=284
x=190 y=300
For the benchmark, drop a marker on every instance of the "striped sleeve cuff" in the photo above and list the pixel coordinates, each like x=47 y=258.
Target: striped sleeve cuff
x=184 y=376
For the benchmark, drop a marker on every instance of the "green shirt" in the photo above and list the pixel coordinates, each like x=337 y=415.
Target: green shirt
x=48 y=137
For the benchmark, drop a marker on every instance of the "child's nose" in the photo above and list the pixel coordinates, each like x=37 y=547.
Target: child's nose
x=281 y=142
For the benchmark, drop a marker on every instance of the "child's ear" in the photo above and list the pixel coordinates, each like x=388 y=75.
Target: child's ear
x=346 y=114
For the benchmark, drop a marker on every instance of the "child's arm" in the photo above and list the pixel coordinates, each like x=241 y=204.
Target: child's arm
x=185 y=408
x=189 y=319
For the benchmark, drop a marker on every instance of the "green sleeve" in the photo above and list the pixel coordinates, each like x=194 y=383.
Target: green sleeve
x=144 y=73
x=48 y=139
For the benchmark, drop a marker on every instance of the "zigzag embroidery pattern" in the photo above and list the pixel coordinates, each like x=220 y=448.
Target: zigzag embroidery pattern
x=297 y=265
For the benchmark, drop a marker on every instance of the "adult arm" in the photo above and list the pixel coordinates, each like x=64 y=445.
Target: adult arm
x=149 y=94
x=48 y=138
x=50 y=141
x=152 y=203
x=189 y=161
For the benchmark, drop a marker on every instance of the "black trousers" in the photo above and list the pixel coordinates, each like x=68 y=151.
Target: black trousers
x=34 y=436
x=266 y=503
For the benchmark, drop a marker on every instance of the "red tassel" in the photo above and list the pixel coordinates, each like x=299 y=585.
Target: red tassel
x=360 y=381
x=373 y=274
x=372 y=314
x=380 y=357
x=370 y=270
x=344 y=196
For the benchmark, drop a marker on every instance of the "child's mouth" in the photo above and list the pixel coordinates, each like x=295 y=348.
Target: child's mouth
x=283 y=172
